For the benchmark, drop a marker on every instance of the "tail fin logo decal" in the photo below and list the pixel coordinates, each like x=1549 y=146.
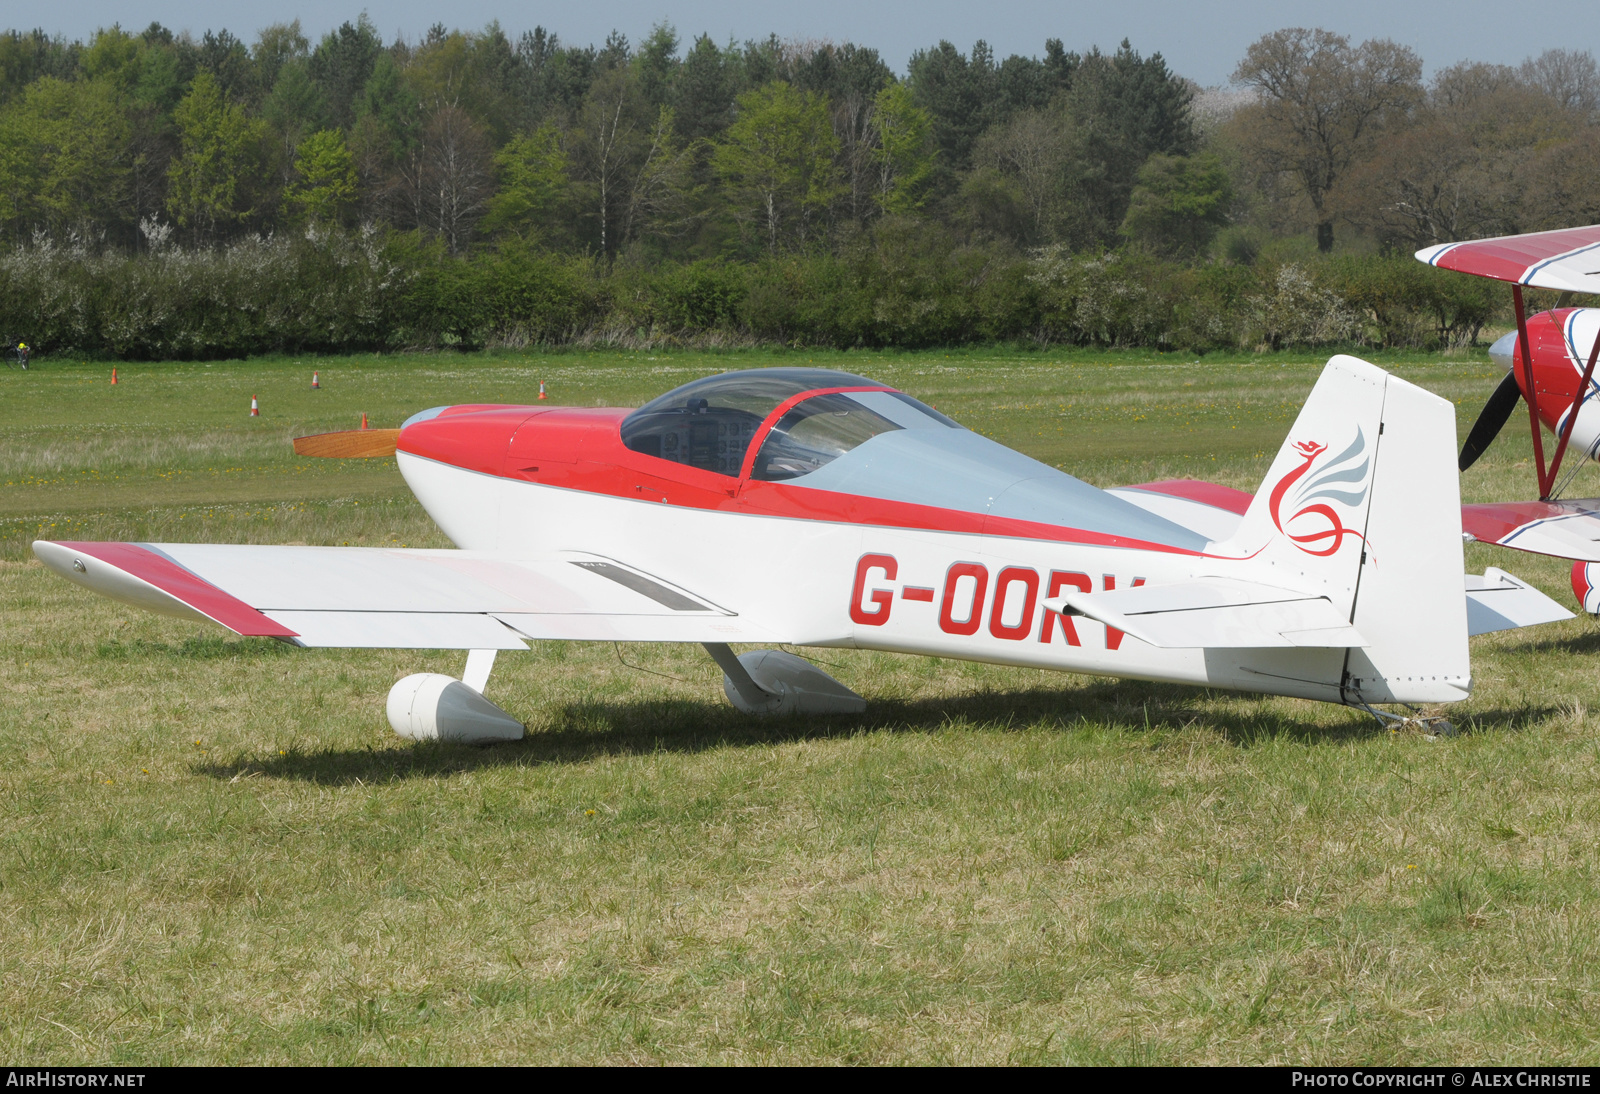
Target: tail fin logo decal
x=1313 y=525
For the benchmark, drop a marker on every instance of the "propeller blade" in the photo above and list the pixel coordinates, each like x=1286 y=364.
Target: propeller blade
x=1490 y=420
x=348 y=444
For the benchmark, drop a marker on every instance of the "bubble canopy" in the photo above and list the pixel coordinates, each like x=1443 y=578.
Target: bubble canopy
x=709 y=424
x=872 y=442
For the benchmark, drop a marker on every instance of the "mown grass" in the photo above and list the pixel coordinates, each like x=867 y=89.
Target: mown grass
x=216 y=851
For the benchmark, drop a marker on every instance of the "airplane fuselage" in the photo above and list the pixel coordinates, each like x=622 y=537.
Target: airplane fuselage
x=837 y=570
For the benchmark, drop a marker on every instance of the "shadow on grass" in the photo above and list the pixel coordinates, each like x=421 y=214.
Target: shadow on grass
x=1588 y=642
x=584 y=732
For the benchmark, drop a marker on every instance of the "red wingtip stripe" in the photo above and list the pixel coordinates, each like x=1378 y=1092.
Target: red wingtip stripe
x=187 y=586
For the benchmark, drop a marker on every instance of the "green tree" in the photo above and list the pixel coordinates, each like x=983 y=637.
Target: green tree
x=1178 y=204
x=63 y=155
x=959 y=94
x=325 y=183
x=904 y=154
x=209 y=180
x=1124 y=108
x=114 y=56
x=1024 y=178
x=657 y=65
x=1322 y=103
x=628 y=161
x=343 y=63
x=778 y=161
x=276 y=46
x=534 y=186
x=703 y=91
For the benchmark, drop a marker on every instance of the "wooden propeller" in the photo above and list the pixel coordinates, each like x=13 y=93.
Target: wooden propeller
x=348 y=444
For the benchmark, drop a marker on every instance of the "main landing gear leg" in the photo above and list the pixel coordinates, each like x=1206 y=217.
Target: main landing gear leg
x=774 y=682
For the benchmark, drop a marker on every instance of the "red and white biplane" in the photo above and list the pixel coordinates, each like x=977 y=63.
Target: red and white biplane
x=809 y=507
x=1550 y=365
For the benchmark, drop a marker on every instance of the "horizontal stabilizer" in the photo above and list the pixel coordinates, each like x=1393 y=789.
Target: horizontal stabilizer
x=349 y=444
x=1216 y=613
x=1497 y=601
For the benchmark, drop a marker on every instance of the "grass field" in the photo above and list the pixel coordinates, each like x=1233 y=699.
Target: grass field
x=216 y=851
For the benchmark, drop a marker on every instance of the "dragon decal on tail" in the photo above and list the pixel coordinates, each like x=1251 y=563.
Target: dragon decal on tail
x=1312 y=524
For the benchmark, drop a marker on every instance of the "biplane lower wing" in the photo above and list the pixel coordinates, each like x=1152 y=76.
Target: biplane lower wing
x=379 y=598
x=1564 y=529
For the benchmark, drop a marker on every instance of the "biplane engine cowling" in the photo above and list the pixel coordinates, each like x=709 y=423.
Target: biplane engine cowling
x=429 y=706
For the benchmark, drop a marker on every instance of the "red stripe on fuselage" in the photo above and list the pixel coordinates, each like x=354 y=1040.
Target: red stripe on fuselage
x=185 y=585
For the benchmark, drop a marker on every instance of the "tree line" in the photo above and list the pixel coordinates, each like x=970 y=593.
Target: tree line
x=630 y=163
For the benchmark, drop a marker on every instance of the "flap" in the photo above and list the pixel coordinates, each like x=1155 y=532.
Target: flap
x=399 y=631
x=1216 y=613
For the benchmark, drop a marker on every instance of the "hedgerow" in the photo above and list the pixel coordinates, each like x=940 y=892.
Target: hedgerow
x=905 y=286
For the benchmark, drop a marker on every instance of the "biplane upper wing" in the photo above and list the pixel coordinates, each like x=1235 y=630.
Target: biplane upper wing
x=1567 y=259
x=382 y=598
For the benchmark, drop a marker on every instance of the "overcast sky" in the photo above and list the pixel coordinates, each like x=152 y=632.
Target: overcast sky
x=1200 y=40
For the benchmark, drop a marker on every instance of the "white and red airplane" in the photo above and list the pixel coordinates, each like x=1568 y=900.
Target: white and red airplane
x=810 y=507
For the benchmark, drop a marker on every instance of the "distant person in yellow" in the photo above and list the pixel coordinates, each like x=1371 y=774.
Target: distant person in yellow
x=22 y=355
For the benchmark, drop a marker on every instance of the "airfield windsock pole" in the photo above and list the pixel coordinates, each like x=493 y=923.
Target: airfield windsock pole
x=255 y=409
x=113 y=376
x=315 y=385
x=542 y=395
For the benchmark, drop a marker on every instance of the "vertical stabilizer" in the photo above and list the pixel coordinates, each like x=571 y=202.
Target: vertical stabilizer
x=1362 y=506
x=1306 y=525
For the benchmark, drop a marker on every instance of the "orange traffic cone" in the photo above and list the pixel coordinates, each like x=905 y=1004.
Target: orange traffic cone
x=255 y=410
x=542 y=395
x=113 y=376
x=315 y=385
x=363 y=421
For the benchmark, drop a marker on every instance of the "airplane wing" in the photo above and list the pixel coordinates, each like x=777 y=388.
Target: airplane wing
x=1224 y=612
x=384 y=598
x=1567 y=259
x=1564 y=529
